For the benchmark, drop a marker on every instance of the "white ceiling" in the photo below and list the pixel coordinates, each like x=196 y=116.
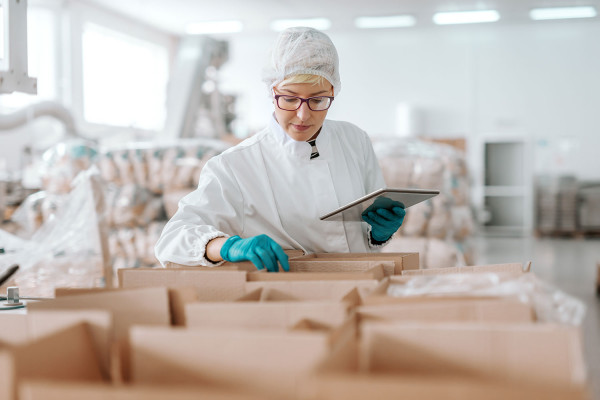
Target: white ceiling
x=173 y=15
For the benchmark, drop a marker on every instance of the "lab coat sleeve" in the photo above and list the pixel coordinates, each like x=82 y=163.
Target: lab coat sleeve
x=373 y=181
x=214 y=209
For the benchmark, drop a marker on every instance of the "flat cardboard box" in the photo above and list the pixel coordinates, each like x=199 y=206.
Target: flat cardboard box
x=509 y=268
x=211 y=285
x=450 y=310
x=382 y=386
x=312 y=290
x=46 y=390
x=268 y=361
x=402 y=261
x=65 y=355
x=308 y=273
x=522 y=353
x=265 y=314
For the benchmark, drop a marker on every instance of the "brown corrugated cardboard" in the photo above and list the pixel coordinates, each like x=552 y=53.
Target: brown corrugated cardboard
x=450 y=310
x=402 y=261
x=65 y=355
x=211 y=285
x=335 y=386
x=265 y=360
x=13 y=328
x=266 y=314
x=24 y=328
x=313 y=290
x=7 y=376
x=44 y=390
x=149 y=306
x=526 y=353
x=309 y=273
x=238 y=266
x=68 y=354
x=510 y=268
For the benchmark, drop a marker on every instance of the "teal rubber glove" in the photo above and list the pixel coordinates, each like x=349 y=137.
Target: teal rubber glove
x=261 y=250
x=384 y=222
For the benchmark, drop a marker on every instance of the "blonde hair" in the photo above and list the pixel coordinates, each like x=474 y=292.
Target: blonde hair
x=303 y=78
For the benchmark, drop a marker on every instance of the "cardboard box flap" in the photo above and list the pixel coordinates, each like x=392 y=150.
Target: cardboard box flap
x=45 y=390
x=212 y=285
x=449 y=310
x=313 y=290
x=534 y=353
x=509 y=268
x=306 y=274
x=269 y=314
x=137 y=306
x=68 y=354
x=13 y=328
x=348 y=386
x=266 y=361
x=402 y=261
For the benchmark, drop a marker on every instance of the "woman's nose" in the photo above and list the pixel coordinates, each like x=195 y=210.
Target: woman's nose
x=303 y=112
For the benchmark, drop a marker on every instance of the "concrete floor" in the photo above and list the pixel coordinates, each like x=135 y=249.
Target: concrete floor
x=571 y=265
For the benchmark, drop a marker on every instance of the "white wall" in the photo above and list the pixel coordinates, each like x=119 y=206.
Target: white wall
x=537 y=81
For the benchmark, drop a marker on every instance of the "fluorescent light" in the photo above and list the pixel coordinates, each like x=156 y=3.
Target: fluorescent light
x=391 y=21
x=199 y=28
x=466 y=17
x=317 y=23
x=562 y=13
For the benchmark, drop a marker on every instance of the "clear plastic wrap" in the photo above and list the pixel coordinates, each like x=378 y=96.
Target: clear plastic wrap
x=549 y=303
x=64 y=161
x=67 y=249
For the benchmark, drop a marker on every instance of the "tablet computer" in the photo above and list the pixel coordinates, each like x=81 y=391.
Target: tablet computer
x=385 y=197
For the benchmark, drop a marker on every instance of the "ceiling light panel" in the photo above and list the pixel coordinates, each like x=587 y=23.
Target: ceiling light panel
x=562 y=13
x=466 y=17
x=390 y=21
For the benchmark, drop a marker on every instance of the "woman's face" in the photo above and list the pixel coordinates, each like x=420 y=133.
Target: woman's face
x=303 y=123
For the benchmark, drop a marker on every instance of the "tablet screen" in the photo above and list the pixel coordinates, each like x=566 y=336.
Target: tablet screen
x=386 y=197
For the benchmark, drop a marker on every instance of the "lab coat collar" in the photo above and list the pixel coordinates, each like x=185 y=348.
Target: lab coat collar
x=295 y=148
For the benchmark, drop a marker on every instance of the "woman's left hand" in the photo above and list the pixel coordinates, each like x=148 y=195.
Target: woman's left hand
x=384 y=223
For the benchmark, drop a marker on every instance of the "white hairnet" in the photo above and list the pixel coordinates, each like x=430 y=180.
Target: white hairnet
x=301 y=50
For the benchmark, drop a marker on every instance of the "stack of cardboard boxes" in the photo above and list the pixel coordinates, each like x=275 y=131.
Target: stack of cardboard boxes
x=331 y=328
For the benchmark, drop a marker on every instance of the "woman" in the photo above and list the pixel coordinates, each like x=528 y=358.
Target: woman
x=267 y=193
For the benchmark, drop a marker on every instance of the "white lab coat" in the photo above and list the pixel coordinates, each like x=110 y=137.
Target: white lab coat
x=269 y=185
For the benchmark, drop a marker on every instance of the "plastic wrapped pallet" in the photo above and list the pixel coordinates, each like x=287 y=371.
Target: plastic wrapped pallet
x=440 y=227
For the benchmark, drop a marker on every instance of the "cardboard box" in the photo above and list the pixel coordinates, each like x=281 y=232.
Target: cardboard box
x=450 y=310
x=149 y=306
x=402 y=261
x=311 y=290
x=268 y=361
x=266 y=314
x=44 y=390
x=334 y=386
x=66 y=355
x=308 y=273
x=18 y=329
x=520 y=353
x=211 y=285
x=515 y=269
x=238 y=266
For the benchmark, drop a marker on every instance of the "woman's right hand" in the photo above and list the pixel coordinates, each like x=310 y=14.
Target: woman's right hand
x=261 y=250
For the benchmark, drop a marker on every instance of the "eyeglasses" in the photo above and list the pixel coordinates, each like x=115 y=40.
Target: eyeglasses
x=292 y=103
